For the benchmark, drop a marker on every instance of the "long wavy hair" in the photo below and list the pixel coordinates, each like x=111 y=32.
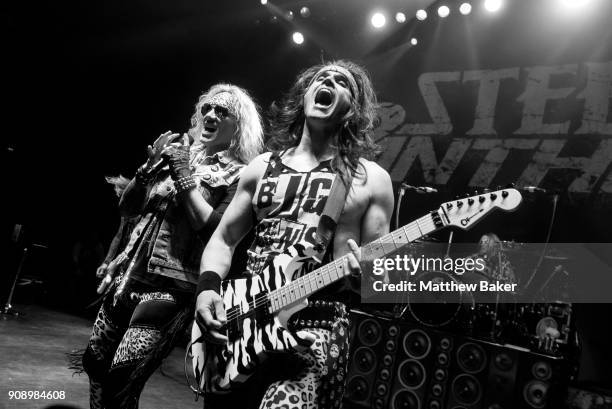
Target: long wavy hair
x=354 y=140
x=247 y=141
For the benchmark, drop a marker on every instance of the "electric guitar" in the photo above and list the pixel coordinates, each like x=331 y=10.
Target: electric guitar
x=258 y=307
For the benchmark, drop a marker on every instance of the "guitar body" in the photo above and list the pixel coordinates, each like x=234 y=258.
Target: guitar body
x=255 y=333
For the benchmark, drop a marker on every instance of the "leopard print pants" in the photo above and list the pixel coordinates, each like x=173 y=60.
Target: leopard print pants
x=124 y=334
x=313 y=379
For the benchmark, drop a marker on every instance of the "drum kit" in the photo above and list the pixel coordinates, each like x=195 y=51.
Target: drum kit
x=509 y=317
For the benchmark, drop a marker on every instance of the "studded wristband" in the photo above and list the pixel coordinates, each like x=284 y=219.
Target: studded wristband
x=185 y=184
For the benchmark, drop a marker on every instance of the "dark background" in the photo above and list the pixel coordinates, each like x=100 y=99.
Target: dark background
x=87 y=85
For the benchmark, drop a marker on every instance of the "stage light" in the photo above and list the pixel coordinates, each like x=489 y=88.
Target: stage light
x=492 y=5
x=421 y=14
x=443 y=11
x=400 y=17
x=305 y=12
x=289 y=15
x=378 y=20
x=264 y=2
x=298 y=38
x=414 y=41
x=465 y=8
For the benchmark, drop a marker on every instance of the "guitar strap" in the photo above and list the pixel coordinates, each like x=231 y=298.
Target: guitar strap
x=332 y=210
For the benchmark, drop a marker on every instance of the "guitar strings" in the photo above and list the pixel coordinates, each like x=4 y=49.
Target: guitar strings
x=388 y=238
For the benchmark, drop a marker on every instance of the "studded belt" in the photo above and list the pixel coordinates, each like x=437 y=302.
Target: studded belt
x=318 y=314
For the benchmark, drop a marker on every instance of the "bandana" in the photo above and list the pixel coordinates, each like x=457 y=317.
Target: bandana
x=224 y=99
x=352 y=83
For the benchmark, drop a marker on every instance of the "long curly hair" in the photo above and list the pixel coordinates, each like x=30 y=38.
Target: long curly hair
x=247 y=142
x=354 y=140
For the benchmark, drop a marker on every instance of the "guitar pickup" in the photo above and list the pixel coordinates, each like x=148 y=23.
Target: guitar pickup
x=233 y=328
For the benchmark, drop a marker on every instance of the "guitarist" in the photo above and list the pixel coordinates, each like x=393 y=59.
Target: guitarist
x=322 y=128
x=178 y=195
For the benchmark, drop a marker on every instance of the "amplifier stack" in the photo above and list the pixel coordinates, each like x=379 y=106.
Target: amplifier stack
x=399 y=365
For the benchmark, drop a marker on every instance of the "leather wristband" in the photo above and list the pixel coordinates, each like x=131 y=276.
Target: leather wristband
x=143 y=178
x=208 y=280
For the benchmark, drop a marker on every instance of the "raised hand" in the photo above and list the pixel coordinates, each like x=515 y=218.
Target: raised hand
x=154 y=151
x=177 y=154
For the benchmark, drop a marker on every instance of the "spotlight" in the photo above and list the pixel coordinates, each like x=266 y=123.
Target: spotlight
x=414 y=41
x=443 y=11
x=400 y=17
x=264 y=2
x=289 y=15
x=465 y=8
x=378 y=20
x=492 y=5
x=305 y=12
x=421 y=14
x=298 y=38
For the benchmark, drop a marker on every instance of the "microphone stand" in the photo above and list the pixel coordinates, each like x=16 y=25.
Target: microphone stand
x=8 y=307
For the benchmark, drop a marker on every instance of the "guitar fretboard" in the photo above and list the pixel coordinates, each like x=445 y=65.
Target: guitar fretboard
x=334 y=271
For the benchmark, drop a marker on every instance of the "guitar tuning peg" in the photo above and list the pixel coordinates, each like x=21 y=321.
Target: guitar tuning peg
x=470 y=201
x=493 y=196
x=505 y=194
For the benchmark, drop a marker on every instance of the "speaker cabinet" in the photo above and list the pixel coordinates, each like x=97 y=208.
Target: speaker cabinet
x=401 y=366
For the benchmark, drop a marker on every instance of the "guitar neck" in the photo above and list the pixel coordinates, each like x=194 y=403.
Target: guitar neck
x=323 y=276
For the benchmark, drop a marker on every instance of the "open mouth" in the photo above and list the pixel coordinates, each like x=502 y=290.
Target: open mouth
x=324 y=97
x=210 y=128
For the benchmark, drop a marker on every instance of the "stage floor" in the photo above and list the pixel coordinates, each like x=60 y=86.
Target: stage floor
x=33 y=351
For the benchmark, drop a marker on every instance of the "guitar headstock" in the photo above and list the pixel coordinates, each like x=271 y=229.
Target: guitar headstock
x=465 y=212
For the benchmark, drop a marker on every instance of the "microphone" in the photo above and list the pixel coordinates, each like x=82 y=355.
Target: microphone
x=533 y=189
x=419 y=189
x=156 y=167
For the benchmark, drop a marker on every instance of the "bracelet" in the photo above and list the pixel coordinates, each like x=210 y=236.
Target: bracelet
x=208 y=280
x=185 y=184
x=143 y=178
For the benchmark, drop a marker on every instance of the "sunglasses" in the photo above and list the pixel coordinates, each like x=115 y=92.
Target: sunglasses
x=220 y=112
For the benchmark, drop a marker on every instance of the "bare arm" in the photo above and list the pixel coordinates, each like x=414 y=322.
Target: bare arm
x=368 y=216
x=377 y=218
